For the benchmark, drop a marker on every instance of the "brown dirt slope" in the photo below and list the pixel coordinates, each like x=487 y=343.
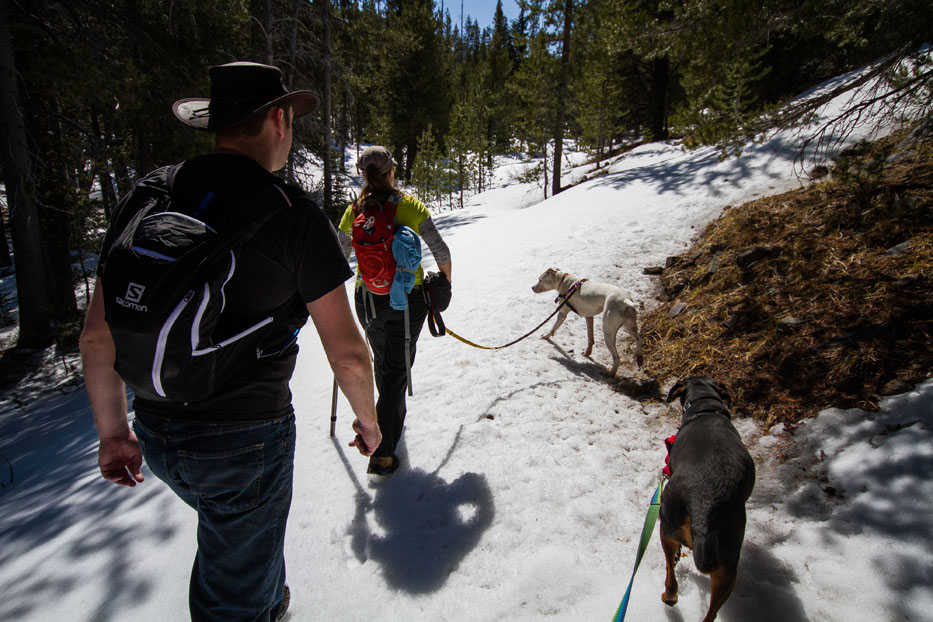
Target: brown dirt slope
x=818 y=297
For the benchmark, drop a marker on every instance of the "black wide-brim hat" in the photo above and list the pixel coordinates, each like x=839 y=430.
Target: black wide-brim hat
x=238 y=91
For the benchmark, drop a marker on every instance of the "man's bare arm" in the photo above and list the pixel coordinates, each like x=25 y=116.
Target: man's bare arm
x=119 y=456
x=348 y=357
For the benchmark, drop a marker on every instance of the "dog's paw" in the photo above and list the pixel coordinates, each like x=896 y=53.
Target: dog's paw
x=669 y=600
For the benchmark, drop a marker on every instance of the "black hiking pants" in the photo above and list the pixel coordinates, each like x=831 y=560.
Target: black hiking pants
x=385 y=329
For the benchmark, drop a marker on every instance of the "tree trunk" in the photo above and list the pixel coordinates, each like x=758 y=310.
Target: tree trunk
x=603 y=120
x=293 y=44
x=292 y=54
x=344 y=129
x=121 y=172
x=411 y=151
x=56 y=203
x=562 y=96
x=270 y=57
x=35 y=313
x=326 y=112
x=545 y=169
x=101 y=171
x=145 y=161
x=5 y=259
x=660 y=80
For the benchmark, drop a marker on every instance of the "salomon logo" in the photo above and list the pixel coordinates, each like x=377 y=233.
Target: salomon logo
x=134 y=293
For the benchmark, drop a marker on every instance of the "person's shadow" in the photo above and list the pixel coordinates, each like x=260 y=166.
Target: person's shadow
x=423 y=526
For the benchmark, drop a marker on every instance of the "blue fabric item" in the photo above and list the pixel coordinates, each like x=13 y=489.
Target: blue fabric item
x=239 y=479
x=406 y=248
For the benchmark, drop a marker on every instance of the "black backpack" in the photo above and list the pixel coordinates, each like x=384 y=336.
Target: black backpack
x=164 y=275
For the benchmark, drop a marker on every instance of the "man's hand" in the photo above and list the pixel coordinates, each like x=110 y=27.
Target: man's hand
x=120 y=460
x=367 y=438
x=346 y=351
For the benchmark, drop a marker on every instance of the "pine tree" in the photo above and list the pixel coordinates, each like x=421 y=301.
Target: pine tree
x=721 y=110
x=532 y=88
x=413 y=92
x=499 y=69
x=426 y=172
x=563 y=81
x=460 y=139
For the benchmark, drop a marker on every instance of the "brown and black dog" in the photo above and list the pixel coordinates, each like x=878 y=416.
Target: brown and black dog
x=703 y=505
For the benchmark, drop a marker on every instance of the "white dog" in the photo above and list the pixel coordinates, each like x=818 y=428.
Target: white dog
x=589 y=300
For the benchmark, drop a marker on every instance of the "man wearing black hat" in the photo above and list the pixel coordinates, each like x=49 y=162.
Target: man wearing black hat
x=229 y=453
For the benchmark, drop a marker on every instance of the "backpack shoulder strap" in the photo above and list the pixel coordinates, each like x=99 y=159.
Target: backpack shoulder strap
x=394 y=200
x=171 y=175
x=228 y=240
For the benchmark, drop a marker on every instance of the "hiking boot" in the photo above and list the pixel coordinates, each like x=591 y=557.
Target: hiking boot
x=382 y=465
x=278 y=614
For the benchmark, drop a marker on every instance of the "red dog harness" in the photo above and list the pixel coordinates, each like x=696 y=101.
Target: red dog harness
x=668 y=442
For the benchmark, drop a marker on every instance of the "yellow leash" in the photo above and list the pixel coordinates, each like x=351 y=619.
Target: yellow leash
x=570 y=292
x=476 y=345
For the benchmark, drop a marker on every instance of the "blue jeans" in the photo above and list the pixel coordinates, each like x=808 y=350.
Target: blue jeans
x=239 y=479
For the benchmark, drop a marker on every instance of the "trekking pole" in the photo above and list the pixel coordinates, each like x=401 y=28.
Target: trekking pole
x=333 y=409
x=408 y=352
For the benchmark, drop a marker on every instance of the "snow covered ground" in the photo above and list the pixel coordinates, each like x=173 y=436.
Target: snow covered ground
x=525 y=475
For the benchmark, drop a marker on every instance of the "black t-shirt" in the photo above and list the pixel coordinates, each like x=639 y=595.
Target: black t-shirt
x=293 y=259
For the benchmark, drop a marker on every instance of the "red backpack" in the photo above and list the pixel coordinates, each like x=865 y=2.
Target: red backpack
x=372 y=233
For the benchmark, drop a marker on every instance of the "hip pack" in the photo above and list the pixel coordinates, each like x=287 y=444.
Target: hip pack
x=164 y=276
x=372 y=234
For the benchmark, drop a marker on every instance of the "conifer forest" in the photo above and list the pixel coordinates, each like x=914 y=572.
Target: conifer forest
x=86 y=88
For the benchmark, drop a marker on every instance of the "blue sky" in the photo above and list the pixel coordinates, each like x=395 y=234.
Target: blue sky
x=481 y=10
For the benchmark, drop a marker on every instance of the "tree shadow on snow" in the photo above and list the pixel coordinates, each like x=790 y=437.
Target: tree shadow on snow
x=423 y=526
x=883 y=495
x=56 y=491
x=703 y=168
x=455 y=220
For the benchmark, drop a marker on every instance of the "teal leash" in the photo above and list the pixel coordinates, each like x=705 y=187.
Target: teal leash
x=646 y=531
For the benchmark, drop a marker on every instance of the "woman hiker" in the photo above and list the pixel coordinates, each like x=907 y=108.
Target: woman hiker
x=367 y=227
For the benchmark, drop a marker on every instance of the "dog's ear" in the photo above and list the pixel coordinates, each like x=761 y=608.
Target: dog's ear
x=676 y=391
x=723 y=392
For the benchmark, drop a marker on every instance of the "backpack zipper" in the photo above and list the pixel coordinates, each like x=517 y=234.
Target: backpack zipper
x=163 y=339
x=205 y=299
x=236 y=337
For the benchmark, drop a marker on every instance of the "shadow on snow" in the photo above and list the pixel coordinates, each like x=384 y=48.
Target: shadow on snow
x=885 y=494
x=52 y=448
